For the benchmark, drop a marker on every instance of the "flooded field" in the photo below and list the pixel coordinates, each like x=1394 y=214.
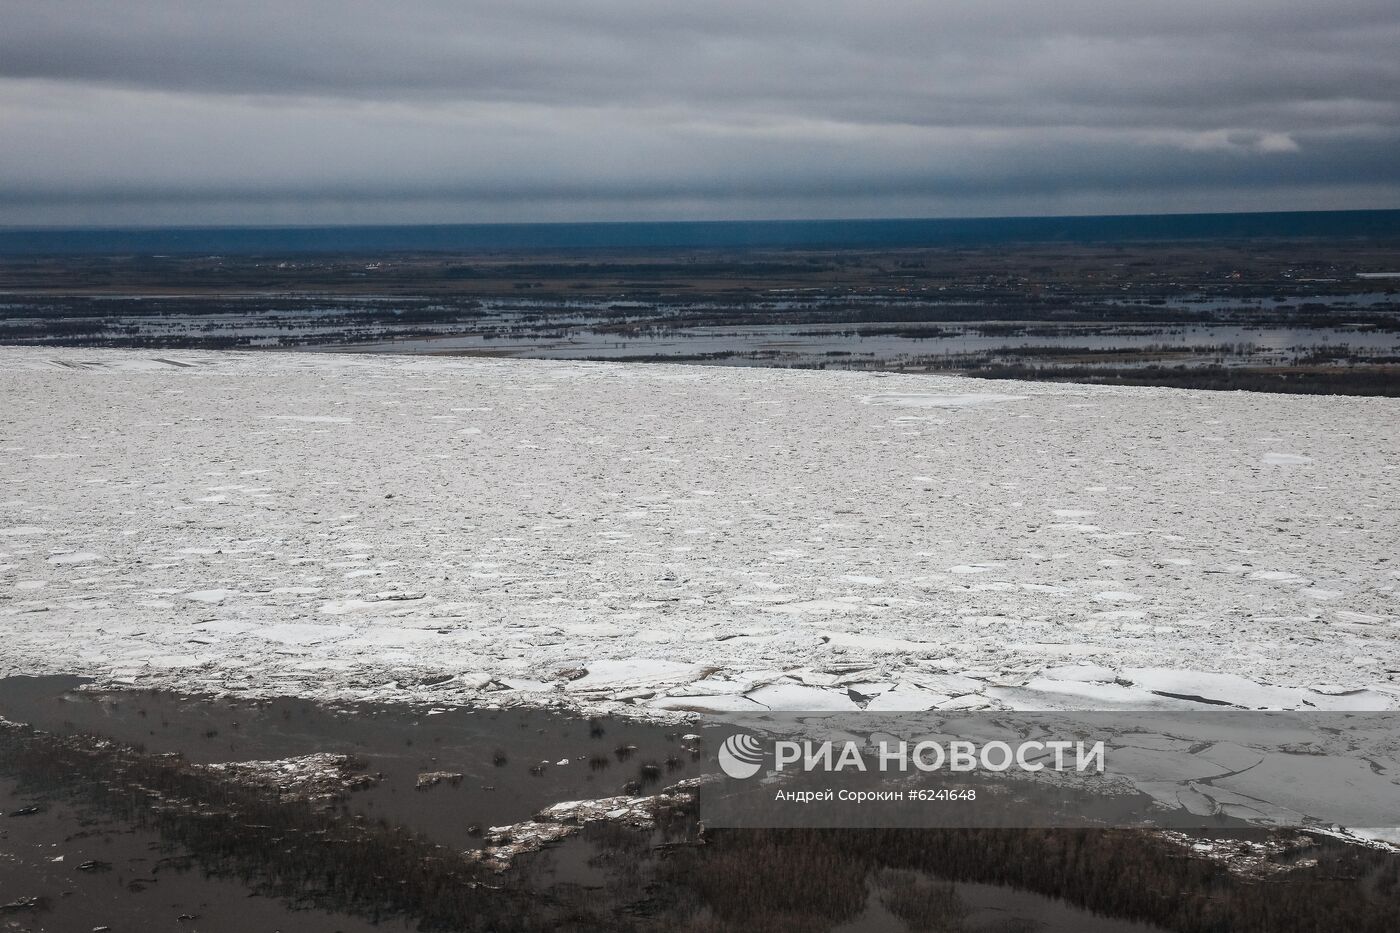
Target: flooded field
x=1279 y=316
x=151 y=811
x=796 y=332
x=1346 y=343
x=506 y=764
x=69 y=866
x=944 y=346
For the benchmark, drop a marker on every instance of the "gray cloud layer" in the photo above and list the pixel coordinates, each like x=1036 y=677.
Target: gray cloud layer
x=443 y=110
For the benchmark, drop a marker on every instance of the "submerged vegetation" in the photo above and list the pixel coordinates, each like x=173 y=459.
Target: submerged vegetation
x=780 y=880
x=306 y=852
x=667 y=873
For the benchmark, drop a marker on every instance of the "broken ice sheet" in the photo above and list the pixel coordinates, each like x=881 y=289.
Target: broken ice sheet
x=684 y=558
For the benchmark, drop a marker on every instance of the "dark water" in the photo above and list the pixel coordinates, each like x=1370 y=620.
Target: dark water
x=700 y=235
x=994 y=908
x=93 y=869
x=398 y=742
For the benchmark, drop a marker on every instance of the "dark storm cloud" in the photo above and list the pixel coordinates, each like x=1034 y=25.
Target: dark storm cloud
x=444 y=109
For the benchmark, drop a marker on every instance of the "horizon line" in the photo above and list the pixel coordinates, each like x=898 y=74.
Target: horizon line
x=63 y=228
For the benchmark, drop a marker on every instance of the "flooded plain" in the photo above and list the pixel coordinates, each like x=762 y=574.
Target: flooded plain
x=507 y=764
x=940 y=346
x=71 y=859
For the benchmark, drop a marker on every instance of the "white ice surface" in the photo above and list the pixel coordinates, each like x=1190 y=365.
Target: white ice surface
x=669 y=537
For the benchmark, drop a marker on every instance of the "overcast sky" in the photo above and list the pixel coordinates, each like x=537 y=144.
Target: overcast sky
x=312 y=111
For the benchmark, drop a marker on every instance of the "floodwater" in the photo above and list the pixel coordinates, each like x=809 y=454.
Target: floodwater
x=397 y=742
x=1203 y=344
x=1240 y=331
x=90 y=869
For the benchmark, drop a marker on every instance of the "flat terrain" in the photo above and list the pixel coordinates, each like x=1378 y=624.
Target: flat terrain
x=1033 y=273
x=1313 y=316
x=659 y=537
